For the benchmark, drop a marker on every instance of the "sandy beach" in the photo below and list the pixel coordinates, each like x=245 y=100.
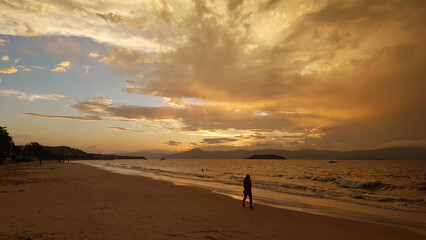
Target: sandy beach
x=75 y=201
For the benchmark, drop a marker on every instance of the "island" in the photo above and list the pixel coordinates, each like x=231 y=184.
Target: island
x=265 y=156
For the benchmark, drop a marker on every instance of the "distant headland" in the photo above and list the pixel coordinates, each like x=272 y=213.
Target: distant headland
x=265 y=156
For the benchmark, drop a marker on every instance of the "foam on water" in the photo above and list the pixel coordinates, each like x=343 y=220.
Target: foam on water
x=391 y=192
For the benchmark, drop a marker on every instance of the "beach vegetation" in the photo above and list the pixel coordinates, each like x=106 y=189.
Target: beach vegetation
x=6 y=143
x=35 y=151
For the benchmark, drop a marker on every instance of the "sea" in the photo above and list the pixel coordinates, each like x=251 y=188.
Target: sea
x=382 y=191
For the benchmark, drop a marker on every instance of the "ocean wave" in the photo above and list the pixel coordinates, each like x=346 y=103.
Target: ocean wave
x=324 y=179
x=363 y=185
x=371 y=185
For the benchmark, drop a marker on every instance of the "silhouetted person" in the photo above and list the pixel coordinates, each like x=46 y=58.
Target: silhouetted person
x=247 y=191
x=40 y=161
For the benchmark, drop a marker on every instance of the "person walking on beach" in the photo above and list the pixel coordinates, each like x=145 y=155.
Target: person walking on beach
x=247 y=191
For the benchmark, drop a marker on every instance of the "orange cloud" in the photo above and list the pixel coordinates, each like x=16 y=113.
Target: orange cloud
x=56 y=95
x=62 y=67
x=94 y=54
x=9 y=70
x=331 y=63
x=177 y=102
x=30 y=31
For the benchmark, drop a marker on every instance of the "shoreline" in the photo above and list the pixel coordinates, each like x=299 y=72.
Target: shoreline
x=76 y=201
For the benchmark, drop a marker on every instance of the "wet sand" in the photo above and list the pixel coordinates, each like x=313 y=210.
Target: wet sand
x=75 y=201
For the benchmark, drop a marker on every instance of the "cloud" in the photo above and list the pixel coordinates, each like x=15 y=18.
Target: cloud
x=29 y=31
x=234 y=4
x=3 y=42
x=80 y=12
x=94 y=54
x=62 y=67
x=24 y=69
x=38 y=67
x=110 y=17
x=176 y=102
x=5 y=58
x=39 y=8
x=218 y=140
x=164 y=10
x=10 y=70
x=127 y=22
x=127 y=129
x=85 y=118
x=86 y=70
x=57 y=95
x=194 y=117
x=328 y=60
x=127 y=60
x=29 y=96
x=173 y=143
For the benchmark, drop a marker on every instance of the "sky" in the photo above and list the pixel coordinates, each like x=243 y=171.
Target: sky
x=124 y=76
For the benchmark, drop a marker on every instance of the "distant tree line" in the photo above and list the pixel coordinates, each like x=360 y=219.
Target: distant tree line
x=33 y=151
x=9 y=152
